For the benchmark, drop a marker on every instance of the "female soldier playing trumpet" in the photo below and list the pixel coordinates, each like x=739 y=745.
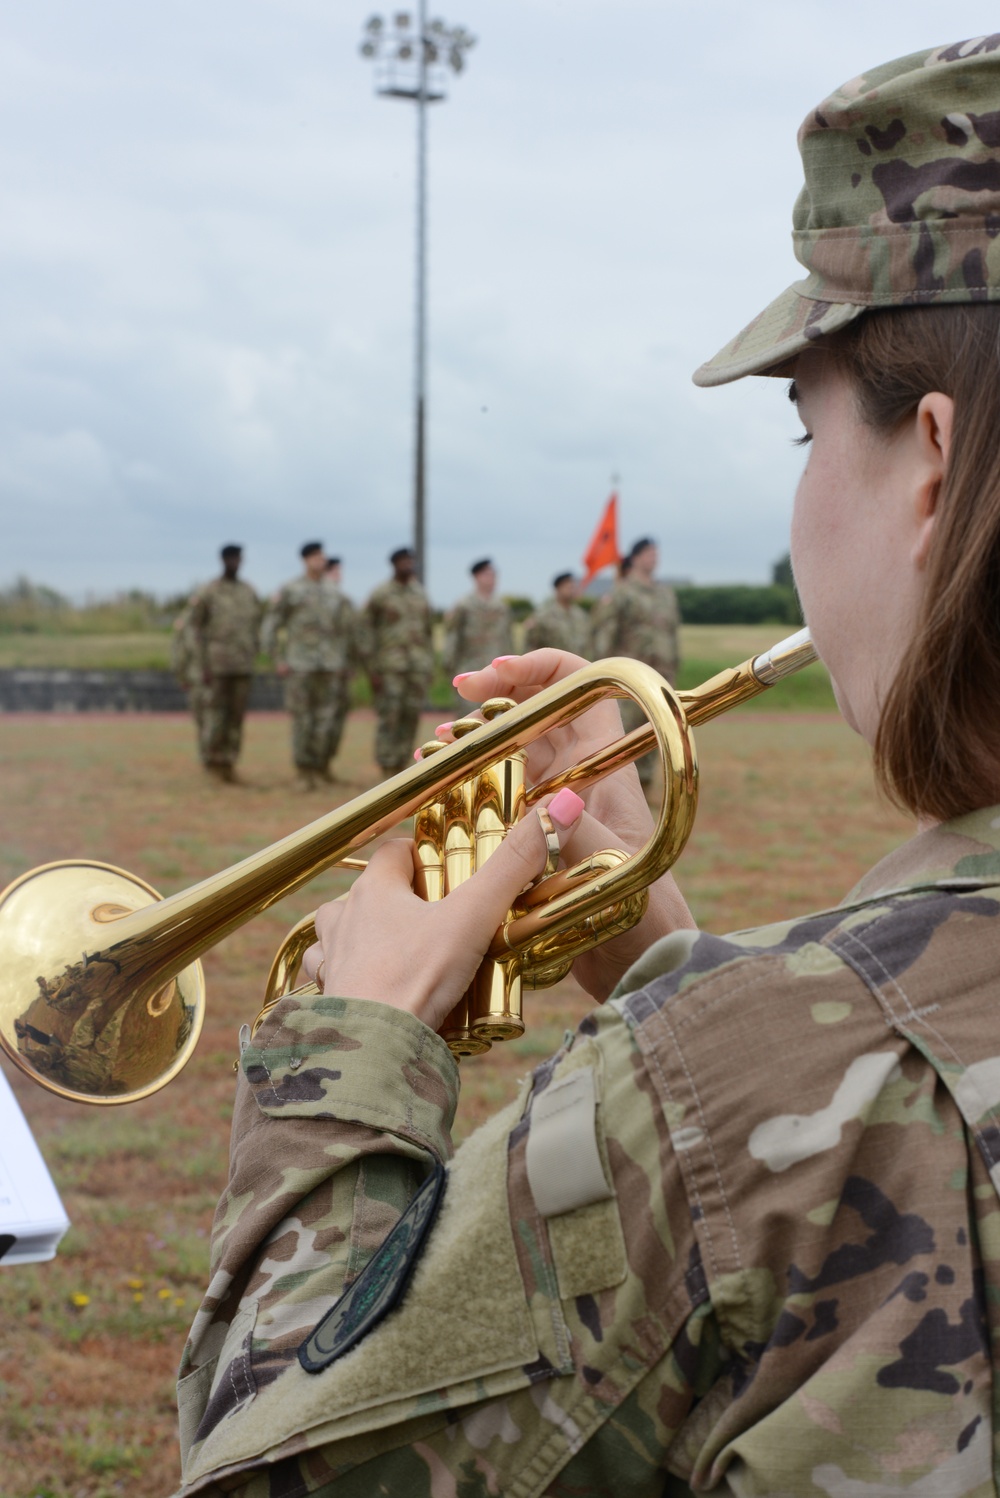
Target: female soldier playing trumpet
x=740 y=1234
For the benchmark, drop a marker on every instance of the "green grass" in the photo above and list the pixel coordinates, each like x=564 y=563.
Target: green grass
x=149 y=651
x=808 y=691
x=705 y=649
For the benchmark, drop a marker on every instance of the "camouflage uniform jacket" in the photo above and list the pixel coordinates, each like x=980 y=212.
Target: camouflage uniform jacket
x=395 y=629
x=559 y=627
x=640 y=620
x=478 y=630
x=309 y=626
x=225 y=618
x=741 y=1229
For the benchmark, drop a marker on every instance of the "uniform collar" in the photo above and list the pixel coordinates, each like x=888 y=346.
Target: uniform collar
x=961 y=854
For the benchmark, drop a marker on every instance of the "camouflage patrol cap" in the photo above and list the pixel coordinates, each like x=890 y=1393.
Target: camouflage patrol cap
x=901 y=203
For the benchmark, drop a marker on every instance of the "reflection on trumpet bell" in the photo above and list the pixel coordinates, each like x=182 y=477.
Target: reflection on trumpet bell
x=101 y=992
x=73 y=1033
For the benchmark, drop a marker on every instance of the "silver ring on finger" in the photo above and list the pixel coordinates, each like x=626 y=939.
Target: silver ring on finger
x=552 y=849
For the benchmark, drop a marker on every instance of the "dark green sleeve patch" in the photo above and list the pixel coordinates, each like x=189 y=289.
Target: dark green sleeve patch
x=382 y=1283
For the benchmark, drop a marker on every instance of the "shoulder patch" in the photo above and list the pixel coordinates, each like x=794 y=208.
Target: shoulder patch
x=382 y=1283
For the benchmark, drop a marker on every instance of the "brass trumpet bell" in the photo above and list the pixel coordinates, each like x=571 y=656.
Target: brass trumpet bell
x=68 y=1025
x=101 y=991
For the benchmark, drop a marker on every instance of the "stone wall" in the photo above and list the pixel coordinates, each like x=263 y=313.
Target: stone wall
x=30 y=691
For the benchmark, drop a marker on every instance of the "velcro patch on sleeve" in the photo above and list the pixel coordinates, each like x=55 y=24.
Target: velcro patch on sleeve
x=381 y=1284
x=562 y=1156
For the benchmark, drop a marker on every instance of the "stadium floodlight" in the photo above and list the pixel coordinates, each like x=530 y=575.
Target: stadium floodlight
x=412 y=57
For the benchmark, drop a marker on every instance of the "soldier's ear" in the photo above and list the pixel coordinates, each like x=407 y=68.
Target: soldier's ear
x=933 y=426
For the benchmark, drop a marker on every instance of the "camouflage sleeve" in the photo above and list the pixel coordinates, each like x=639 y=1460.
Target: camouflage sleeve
x=182 y=646
x=532 y=632
x=201 y=613
x=454 y=638
x=604 y=640
x=342 y=1106
x=366 y=635
x=349 y=624
x=272 y=639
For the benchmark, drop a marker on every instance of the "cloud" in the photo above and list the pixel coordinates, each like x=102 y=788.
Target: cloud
x=206 y=283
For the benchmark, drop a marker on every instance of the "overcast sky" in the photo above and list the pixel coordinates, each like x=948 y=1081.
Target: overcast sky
x=206 y=282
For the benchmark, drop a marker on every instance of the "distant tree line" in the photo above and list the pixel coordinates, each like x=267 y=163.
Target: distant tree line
x=27 y=607
x=740 y=603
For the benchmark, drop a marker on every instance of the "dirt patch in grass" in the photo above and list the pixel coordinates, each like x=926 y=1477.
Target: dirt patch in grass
x=788 y=822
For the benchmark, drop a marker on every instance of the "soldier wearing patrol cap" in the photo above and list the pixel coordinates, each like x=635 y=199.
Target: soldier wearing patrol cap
x=395 y=643
x=225 y=623
x=478 y=629
x=309 y=631
x=738 y=1234
x=560 y=623
x=603 y=604
x=642 y=620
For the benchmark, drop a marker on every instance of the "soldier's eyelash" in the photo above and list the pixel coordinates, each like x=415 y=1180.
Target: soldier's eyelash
x=802 y=441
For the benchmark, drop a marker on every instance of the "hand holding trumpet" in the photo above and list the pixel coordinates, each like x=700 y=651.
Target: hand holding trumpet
x=434 y=949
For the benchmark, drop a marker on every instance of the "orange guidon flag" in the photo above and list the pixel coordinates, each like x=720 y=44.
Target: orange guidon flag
x=603 y=549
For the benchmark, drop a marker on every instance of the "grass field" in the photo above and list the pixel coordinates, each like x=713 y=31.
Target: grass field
x=80 y=652
x=788 y=821
x=724 y=644
x=706 y=649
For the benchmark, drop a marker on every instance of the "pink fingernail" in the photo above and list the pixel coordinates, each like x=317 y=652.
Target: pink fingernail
x=499 y=659
x=460 y=677
x=442 y=728
x=565 y=807
x=417 y=754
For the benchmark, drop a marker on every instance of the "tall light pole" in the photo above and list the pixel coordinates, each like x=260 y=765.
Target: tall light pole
x=412 y=58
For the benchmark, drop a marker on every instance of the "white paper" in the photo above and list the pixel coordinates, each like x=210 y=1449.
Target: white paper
x=30 y=1208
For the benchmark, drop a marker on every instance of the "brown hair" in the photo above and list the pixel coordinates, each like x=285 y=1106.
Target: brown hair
x=937 y=750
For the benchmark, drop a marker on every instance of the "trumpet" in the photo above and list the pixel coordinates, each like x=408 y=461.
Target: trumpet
x=102 y=996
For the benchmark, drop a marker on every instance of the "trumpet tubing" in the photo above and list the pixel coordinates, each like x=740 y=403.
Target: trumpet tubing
x=101 y=990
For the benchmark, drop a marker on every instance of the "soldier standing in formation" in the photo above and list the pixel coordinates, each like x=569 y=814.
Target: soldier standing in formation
x=395 y=643
x=225 y=620
x=641 y=620
x=560 y=623
x=478 y=629
x=308 y=632
x=602 y=606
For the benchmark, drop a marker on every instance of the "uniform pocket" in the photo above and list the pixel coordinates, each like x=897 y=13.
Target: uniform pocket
x=569 y=1179
x=192 y=1396
x=221 y=1387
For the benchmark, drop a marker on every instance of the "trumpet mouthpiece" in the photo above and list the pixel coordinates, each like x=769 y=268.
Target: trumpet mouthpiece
x=782 y=659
